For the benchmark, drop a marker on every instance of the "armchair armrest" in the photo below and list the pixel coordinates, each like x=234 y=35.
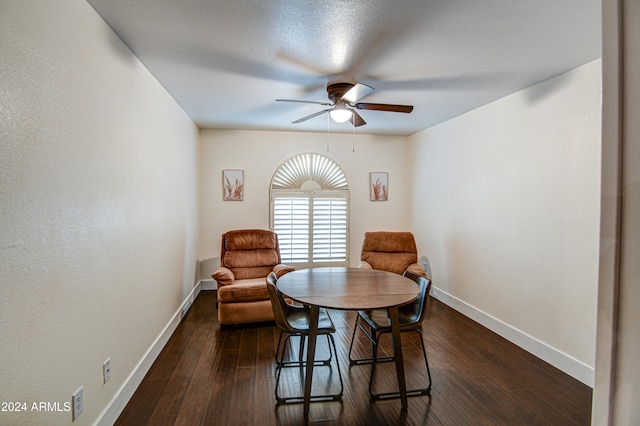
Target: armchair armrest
x=223 y=276
x=281 y=269
x=417 y=269
x=365 y=265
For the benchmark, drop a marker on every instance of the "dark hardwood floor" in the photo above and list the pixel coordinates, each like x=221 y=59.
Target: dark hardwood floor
x=213 y=375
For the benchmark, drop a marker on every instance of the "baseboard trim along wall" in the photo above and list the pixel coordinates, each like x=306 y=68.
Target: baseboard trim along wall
x=576 y=369
x=208 y=285
x=124 y=394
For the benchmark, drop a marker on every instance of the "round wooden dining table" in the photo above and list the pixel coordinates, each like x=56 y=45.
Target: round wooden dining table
x=349 y=289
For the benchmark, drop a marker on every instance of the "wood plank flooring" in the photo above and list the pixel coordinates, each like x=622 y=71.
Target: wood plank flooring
x=213 y=375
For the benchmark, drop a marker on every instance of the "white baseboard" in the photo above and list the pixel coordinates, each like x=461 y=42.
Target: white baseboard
x=571 y=366
x=208 y=284
x=122 y=396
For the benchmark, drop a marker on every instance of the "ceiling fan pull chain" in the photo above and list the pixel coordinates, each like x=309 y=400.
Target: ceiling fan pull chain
x=353 y=138
x=328 y=123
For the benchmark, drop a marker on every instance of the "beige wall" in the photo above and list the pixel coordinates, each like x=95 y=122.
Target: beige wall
x=98 y=190
x=260 y=153
x=507 y=210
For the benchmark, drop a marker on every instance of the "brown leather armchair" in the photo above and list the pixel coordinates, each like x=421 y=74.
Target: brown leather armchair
x=390 y=251
x=246 y=258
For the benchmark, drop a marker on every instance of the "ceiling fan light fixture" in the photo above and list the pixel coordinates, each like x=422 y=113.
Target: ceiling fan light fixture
x=340 y=115
x=344 y=101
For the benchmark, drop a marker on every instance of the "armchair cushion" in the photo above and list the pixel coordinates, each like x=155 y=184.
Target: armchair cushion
x=390 y=251
x=365 y=265
x=223 y=276
x=417 y=269
x=252 y=272
x=281 y=269
x=395 y=262
x=245 y=291
x=250 y=239
x=250 y=258
x=389 y=242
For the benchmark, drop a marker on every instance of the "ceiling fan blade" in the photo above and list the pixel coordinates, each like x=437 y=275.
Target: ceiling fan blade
x=356 y=119
x=308 y=117
x=384 y=107
x=357 y=92
x=306 y=102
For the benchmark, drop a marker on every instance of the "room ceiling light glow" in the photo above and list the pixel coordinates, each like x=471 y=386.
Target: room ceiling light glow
x=340 y=114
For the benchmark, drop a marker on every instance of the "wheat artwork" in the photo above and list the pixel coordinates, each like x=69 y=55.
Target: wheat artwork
x=379 y=186
x=232 y=185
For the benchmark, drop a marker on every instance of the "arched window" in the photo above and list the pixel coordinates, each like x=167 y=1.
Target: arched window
x=310 y=211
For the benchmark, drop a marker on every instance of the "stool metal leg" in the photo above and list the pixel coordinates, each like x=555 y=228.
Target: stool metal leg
x=374 y=338
x=302 y=363
x=409 y=392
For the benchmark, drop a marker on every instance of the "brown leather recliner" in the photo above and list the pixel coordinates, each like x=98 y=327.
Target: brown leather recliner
x=246 y=258
x=390 y=251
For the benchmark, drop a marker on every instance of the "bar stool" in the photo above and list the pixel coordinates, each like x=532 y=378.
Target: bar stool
x=294 y=321
x=377 y=322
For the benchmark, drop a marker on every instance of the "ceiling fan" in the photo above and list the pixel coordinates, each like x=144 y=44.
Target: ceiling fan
x=344 y=99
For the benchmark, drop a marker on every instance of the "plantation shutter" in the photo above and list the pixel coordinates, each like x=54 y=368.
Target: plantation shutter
x=310 y=211
x=329 y=229
x=291 y=223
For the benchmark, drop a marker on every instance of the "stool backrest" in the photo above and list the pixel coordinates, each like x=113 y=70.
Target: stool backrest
x=417 y=310
x=278 y=304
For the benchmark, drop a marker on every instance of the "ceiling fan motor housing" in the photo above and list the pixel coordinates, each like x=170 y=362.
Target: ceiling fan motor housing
x=337 y=90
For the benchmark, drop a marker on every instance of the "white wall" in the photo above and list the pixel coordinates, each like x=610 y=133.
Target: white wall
x=507 y=210
x=98 y=190
x=260 y=153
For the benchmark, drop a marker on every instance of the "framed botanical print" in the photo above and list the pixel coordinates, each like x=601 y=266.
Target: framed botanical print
x=233 y=185
x=378 y=186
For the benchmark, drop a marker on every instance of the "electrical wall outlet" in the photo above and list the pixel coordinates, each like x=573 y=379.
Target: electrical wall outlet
x=106 y=370
x=77 y=403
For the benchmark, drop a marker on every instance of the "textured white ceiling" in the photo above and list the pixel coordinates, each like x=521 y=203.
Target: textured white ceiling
x=225 y=62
